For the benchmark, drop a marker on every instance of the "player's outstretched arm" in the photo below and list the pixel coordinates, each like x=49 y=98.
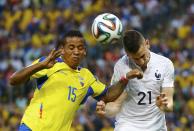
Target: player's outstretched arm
x=112 y=108
x=24 y=75
x=165 y=100
x=115 y=90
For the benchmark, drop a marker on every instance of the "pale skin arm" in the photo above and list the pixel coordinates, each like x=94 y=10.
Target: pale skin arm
x=111 y=108
x=165 y=100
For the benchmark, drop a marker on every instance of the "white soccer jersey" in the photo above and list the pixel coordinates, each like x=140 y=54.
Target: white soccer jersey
x=139 y=111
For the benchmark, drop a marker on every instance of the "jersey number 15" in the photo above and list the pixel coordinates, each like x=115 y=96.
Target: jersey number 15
x=72 y=95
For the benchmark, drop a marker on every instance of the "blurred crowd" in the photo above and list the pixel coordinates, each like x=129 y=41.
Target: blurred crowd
x=31 y=28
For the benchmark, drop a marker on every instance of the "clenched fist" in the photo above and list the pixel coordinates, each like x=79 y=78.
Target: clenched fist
x=100 y=108
x=135 y=73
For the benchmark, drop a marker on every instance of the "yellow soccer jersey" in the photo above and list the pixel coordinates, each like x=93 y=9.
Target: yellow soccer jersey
x=59 y=93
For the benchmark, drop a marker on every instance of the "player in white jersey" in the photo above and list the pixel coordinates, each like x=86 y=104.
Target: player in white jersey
x=142 y=106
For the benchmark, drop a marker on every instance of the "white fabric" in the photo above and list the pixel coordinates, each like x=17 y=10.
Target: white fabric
x=145 y=115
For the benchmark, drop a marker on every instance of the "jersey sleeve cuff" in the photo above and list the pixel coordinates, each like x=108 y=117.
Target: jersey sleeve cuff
x=102 y=94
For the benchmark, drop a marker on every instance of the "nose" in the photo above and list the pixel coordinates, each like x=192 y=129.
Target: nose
x=76 y=51
x=141 y=62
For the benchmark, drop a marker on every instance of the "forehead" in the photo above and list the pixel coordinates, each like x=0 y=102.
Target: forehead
x=74 y=40
x=140 y=52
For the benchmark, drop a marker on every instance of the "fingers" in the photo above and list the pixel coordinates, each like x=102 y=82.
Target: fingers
x=135 y=73
x=101 y=113
x=140 y=75
x=54 y=54
x=100 y=108
x=51 y=53
x=100 y=105
x=57 y=53
x=161 y=100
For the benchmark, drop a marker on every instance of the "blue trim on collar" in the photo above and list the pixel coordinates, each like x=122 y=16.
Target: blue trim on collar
x=59 y=59
x=79 y=68
x=44 y=57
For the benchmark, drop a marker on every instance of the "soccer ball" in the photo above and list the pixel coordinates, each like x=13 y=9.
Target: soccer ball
x=107 y=27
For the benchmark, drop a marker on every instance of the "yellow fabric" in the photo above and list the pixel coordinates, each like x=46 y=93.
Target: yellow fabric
x=107 y=129
x=26 y=19
x=53 y=106
x=78 y=127
x=190 y=105
x=37 y=40
x=183 y=31
x=47 y=38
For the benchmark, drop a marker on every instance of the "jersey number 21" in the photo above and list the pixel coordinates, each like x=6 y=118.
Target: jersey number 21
x=143 y=95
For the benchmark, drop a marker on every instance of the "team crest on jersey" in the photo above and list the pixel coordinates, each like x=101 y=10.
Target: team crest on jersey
x=157 y=75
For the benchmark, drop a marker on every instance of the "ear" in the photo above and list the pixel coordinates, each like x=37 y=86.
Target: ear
x=85 y=53
x=147 y=42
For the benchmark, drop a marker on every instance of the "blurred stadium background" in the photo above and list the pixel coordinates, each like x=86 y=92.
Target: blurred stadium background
x=30 y=28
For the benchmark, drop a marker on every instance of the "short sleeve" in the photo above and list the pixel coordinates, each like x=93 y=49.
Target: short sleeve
x=99 y=89
x=116 y=76
x=120 y=70
x=169 y=75
x=40 y=73
x=96 y=88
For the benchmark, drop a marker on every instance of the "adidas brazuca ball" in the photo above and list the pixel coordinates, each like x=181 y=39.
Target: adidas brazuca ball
x=106 y=27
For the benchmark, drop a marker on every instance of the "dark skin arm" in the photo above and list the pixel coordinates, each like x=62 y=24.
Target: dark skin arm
x=23 y=75
x=114 y=91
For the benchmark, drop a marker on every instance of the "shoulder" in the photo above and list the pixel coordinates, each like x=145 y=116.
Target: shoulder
x=122 y=66
x=85 y=72
x=59 y=60
x=83 y=69
x=162 y=60
x=122 y=61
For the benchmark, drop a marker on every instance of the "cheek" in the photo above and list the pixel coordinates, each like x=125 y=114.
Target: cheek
x=83 y=54
x=147 y=57
x=66 y=54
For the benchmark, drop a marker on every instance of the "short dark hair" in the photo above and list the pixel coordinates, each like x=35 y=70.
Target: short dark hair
x=71 y=33
x=132 y=40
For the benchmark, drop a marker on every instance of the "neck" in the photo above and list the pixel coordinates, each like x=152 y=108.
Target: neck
x=74 y=67
x=147 y=59
x=144 y=68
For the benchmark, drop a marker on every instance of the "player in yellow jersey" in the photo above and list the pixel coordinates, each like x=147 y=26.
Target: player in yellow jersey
x=62 y=86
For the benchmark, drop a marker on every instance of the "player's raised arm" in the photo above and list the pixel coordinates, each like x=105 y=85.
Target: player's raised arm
x=24 y=75
x=115 y=90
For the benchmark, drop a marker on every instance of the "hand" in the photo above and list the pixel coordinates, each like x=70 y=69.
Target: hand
x=135 y=73
x=51 y=59
x=162 y=101
x=100 y=108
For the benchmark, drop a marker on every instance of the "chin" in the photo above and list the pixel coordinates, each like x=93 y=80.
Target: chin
x=74 y=66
